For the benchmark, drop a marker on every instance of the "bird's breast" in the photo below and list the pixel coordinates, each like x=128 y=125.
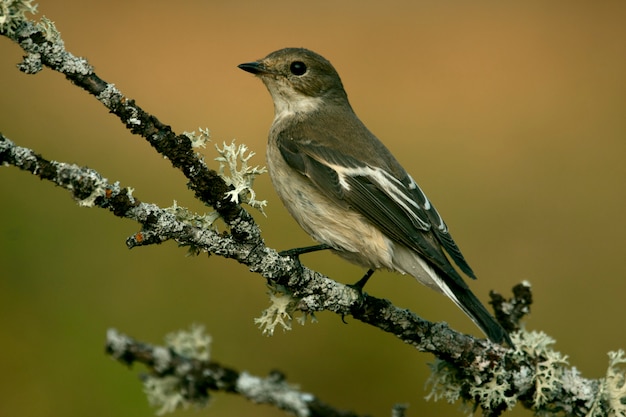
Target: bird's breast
x=353 y=236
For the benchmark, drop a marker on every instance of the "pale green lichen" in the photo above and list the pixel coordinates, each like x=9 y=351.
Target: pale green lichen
x=282 y=309
x=549 y=365
x=615 y=384
x=202 y=221
x=51 y=51
x=13 y=12
x=129 y=193
x=168 y=393
x=200 y=139
x=544 y=375
x=164 y=393
x=78 y=177
x=50 y=30
x=110 y=95
x=495 y=391
x=279 y=313
x=240 y=176
x=194 y=343
x=612 y=390
x=444 y=382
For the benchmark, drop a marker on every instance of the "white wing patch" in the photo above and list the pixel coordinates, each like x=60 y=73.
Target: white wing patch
x=387 y=182
x=442 y=225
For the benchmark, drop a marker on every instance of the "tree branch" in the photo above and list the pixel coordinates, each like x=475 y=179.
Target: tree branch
x=197 y=377
x=44 y=47
x=314 y=291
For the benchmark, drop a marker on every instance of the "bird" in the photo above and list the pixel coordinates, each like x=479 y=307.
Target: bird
x=348 y=192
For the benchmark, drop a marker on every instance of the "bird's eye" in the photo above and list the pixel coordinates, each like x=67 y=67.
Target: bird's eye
x=297 y=68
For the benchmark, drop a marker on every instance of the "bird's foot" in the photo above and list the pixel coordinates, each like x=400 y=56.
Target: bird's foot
x=361 y=283
x=358 y=286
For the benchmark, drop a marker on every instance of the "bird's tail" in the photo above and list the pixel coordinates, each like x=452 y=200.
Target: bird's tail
x=467 y=301
x=452 y=285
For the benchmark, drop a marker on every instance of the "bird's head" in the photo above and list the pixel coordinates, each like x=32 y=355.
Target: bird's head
x=298 y=79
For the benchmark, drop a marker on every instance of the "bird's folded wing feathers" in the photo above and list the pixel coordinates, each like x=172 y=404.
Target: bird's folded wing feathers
x=396 y=205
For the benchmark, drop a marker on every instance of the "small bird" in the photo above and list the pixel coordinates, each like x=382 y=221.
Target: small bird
x=346 y=189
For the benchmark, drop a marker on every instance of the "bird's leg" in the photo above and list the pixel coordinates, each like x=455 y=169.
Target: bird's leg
x=296 y=252
x=358 y=286
x=361 y=283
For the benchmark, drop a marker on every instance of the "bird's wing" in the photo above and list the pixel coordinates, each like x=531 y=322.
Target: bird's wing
x=396 y=205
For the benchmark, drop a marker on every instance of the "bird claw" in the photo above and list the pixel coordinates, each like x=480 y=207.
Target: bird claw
x=358 y=286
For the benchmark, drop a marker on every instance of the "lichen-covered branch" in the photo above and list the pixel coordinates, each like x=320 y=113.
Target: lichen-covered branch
x=44 y=47
x=307 y=290
x=470 y=369
x=182 y=374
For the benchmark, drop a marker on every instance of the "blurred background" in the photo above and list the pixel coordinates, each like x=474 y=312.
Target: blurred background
x=511 y=116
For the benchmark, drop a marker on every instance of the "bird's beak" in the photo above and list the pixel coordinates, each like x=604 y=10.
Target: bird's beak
x=255 y=68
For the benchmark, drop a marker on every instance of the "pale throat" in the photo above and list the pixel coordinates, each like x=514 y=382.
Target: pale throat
x=288 y=103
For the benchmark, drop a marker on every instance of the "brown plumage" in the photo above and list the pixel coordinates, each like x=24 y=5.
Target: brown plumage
x=344 y=187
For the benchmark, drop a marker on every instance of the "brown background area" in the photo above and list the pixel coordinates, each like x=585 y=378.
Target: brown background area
x=511 y=116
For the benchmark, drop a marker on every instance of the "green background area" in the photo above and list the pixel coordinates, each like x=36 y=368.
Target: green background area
x=511 y=116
